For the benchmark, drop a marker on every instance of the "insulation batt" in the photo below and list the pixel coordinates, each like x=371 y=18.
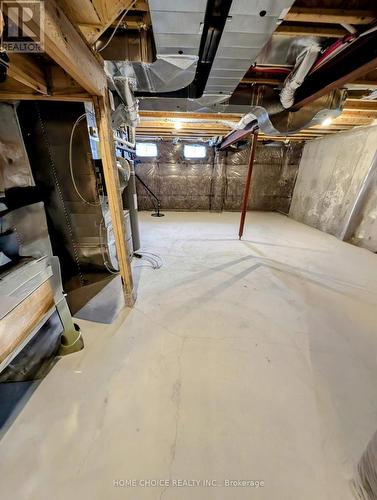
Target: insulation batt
x=216 y=182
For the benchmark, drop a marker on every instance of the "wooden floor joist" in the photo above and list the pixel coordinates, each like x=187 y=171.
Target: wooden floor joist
x=325 y=15
x=207 y=125
x=66 y=47
x=26 y=71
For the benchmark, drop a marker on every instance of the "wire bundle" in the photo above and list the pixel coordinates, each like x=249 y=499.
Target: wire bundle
x=153 y=259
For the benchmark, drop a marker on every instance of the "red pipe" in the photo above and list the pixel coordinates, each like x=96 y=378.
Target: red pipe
x=269 y=69
x=246 y=193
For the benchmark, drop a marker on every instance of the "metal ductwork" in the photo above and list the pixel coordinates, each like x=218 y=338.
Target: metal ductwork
x=284 y=122
x=167 y=74
x=232 y=35
x=177 y=26
x=245 y=30
x=248 y=28
x=203 y=51
x=187 y=36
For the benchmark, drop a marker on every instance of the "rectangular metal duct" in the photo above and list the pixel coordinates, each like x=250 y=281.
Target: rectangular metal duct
x=248 y=28
x=177 y=25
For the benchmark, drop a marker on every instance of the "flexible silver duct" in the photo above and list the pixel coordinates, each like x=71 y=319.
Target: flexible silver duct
x=166 y=74
x=304 y=63
x=127 y=111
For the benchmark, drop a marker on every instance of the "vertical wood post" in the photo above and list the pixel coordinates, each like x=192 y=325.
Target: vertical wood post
x=105 y=133
x=246 y=193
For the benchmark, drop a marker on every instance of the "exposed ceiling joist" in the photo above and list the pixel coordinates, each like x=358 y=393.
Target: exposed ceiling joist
x=360 y=105
x=65 y=47
x=206 y=125
x=302 y=30
x=355 y=85
x=330 y=16
x=93 y=17
x=26 y=71
x=27 y=81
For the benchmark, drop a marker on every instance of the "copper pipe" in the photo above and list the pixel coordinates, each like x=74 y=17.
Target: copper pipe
x=248 y=183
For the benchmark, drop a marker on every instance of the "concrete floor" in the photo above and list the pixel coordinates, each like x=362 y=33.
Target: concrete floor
x=251 y=359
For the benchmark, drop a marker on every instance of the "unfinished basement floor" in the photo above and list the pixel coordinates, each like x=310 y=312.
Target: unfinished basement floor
x=251 y=359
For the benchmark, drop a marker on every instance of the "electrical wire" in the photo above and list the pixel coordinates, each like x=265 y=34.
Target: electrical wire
x=150 y=253
x=4 y=63
x=101 y=244
x=79 y=119
x=154 y=259
x=116 y=27
x=144 y=265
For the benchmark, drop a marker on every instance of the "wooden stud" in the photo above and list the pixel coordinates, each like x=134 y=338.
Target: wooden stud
x=110 y=170
x=108 y=11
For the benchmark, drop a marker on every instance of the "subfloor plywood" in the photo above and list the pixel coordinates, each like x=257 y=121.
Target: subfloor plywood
x=251 y=359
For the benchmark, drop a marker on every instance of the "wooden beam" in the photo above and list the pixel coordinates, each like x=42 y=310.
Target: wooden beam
x=93 y=17
x=360 y=105
x=23 y=96
x=25 y=70
x=361 y=84
x=65 y=46
x=356 y=85
x=81 y=11
x=64 y=86
x=299 y=30
x=110 y=171
x=127 y=23
x=109 y=11
x=196 y=127
x=58 y=87
x=164 y=135
x=141 y=5
x=330 y=16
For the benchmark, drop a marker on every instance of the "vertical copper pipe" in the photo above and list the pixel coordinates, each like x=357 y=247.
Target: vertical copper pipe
x=247 y=184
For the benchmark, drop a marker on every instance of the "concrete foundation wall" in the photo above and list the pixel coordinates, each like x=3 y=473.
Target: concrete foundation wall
x=336 y=188
x=217 y=182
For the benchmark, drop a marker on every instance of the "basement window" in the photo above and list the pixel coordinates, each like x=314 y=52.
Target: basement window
x=146 y=149
x=196 y=151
